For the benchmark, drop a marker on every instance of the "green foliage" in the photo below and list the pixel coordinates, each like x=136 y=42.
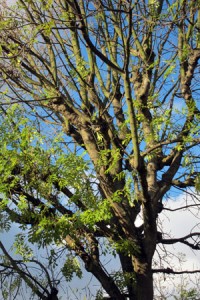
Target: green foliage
x=39 y=167
x=50 y=230
x=122 y=279
x=100 y=212
x=22 y=248
x=109 y=159
x=99 y=295
x=190 y=294
x=126 y=247
x=71 y=267
x=26 y=150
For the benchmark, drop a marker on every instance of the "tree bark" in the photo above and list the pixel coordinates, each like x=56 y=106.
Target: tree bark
x=144 y=283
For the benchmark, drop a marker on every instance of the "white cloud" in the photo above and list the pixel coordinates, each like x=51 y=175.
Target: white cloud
x=176 y=224
x=180 y=223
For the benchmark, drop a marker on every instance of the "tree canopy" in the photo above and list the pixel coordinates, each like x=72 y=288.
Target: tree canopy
x=99 y=122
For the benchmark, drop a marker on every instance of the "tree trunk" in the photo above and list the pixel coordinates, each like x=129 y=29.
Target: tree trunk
x=144 y=286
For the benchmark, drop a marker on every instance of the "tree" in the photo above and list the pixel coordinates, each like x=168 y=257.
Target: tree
x=100 y=120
